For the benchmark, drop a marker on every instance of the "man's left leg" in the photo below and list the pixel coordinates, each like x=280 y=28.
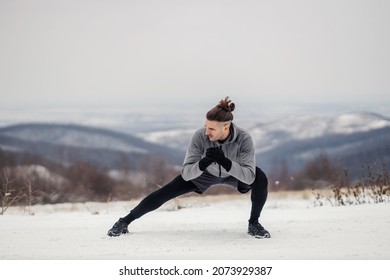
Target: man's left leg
x=259 y=193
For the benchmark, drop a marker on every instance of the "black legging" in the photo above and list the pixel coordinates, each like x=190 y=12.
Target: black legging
x=179 y=186
x=259 y=194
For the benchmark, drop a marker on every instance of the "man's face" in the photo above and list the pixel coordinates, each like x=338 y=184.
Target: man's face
x=216 y=131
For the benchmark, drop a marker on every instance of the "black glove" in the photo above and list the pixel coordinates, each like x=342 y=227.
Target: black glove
x=204 y=163
x=217 y=155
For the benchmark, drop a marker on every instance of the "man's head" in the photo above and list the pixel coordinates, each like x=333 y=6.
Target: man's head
x=218 y=120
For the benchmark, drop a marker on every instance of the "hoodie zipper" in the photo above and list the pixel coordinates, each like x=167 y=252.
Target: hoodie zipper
x=219 y=166
x=220 y=146
x=220 y=171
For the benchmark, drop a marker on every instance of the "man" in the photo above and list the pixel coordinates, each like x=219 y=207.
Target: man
x=219 y=153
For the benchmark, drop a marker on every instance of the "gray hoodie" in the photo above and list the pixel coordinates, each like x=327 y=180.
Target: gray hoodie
x=239 y=148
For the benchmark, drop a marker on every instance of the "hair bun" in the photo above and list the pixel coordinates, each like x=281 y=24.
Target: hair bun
x=227 y=105
x=222 y=112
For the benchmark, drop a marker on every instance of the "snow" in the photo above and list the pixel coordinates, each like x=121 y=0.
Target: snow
x=197 y=228
x=357 y=122
x=174 y=138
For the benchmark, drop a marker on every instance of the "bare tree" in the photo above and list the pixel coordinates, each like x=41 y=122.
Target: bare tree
x=8 y=194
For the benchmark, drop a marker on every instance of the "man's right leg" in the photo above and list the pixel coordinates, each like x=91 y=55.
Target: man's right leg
x=175 y=188
x=258 y=197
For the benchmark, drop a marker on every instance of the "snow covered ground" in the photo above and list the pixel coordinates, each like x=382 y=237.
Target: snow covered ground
x=205 y=227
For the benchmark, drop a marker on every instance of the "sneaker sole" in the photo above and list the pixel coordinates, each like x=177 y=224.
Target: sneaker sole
x=267 y=235
x=111 y=234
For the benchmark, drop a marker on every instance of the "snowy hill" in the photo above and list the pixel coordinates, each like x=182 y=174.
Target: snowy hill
x=70 y=143
x=351 y=138
x=273 y=134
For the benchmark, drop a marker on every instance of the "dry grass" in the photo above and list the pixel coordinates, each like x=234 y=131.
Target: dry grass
x=372 y=188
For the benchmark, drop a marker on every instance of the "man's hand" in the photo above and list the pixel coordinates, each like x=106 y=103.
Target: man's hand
x=217 y=155
x=204 y=163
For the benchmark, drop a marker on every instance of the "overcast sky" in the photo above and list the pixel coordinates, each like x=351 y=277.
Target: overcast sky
x=117 y=53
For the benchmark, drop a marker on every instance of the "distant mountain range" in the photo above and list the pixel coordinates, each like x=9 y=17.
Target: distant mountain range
x=67 y=144
x=353 y=139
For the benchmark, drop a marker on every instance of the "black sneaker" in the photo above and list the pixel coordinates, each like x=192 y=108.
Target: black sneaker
x=120 y=227
x=256 y=229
